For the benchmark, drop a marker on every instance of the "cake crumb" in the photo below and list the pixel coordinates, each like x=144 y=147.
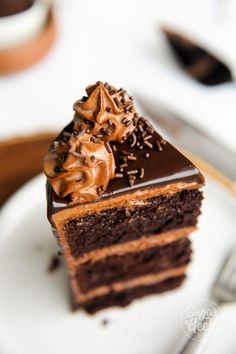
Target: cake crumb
x=105 y=322
x=54 y=264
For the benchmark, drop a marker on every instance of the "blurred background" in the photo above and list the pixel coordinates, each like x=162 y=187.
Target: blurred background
x=50 y=53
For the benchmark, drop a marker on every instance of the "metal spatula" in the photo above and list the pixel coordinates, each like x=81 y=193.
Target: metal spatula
x=223 y=291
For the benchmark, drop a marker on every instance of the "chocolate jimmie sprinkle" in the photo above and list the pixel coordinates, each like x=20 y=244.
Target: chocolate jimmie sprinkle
x=119 y=175
x=100 y=190
x=132 y=158
x=147 y=143
x=114 y=148
x=108 y=147
x=142 y=139
x=132 y=172
x=134 y=139
x=141 y=173
x=159 y=147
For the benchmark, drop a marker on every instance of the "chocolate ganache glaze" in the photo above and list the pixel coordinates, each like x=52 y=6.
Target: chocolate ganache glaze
x=139 y=158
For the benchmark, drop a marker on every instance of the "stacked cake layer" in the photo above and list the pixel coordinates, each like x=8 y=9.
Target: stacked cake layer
x=132 y=238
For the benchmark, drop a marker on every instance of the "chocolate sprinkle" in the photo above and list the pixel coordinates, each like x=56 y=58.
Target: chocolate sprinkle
x=117 y=102
x=100 y=190
x=147 y=137
x=54 y=264
x=163 y=142
x=126 y=153
x=132 y=172
x=108 y=147
x=148 y=144
x=132 y=158
x=134 y=139
x=159 y=147
x=119 y=175
x=141 y=173
x=114 y=148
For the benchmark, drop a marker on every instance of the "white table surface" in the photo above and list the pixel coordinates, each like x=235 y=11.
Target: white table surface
x=120 y=42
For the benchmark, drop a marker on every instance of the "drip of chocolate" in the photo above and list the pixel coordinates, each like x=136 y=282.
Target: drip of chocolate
x=11 y=7
x=200 y=64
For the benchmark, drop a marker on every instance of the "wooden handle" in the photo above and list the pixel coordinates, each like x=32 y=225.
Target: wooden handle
x=21 y=159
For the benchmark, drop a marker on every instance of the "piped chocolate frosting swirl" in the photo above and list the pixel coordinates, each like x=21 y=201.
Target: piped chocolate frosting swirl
x=108 y=112
x=79 y=167
x=80 y=163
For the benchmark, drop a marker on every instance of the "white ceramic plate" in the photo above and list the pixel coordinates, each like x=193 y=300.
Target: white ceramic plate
x=35 y=314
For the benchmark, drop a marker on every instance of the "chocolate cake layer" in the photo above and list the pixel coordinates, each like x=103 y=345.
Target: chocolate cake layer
x=142 y=244
x=119 y=286
x=130 y=265
x=124 y=298
x=116 y=226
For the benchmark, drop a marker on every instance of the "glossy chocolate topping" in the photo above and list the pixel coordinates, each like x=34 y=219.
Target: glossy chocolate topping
x=162 y=168
x=142 y=160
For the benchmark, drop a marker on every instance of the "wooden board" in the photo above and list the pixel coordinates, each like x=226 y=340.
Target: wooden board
x=21 y=159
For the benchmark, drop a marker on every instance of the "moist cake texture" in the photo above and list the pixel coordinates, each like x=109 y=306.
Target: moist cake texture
x=122 y=202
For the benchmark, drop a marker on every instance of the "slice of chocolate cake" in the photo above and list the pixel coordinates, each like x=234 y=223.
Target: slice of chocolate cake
x=121 y=201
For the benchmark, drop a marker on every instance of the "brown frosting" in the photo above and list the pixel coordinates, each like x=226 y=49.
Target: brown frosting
x=79 y=167
x=81 y=163
x=108 y=112
x=143 y=280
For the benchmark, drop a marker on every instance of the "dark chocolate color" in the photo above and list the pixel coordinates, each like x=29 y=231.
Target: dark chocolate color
x=131 y=265
x=115 y=226
x=124 y=298
x=11 y=7
x=210 y=71
x=161 y=168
